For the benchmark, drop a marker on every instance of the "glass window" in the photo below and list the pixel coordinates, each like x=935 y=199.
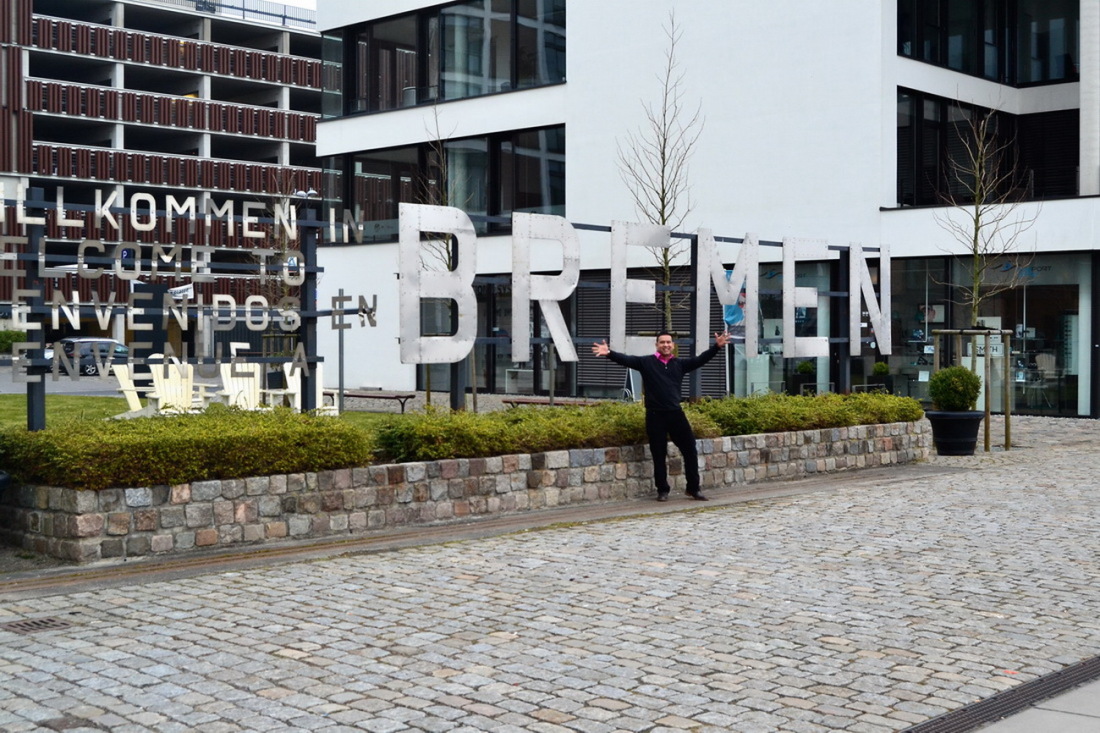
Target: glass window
x=906 y=147
x=930 y=32
x=487 y=176
x=359 y=93
x=929 y=178
x=1040 y=155
x=540 y=50
x=332 y=74
x=477 y=48
x=1047 y=41
x=388 y=51
x=532 y=165
x=1038 y=299
x=992 y=45
x=468 y=175
x=1010 y=41
x=449 y=52
x=906 y=30
x=380 y=180
x=962 y=35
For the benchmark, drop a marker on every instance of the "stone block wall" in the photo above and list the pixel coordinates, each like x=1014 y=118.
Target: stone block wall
x=86 y=526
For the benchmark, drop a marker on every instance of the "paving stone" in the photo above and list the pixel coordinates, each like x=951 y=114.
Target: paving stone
x=868 y=604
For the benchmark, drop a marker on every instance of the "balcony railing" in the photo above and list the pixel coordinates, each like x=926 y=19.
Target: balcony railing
x=251 y=10
x=161 y=169
x=202 y=115
x=119 y=44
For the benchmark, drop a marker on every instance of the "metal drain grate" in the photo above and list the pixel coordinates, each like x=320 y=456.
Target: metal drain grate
x=1011 y=701
x=32 y=625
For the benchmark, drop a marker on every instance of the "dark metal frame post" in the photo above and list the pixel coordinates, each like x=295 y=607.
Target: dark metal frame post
x=308 y=328
x=458 y=369
x=695 y=378
x=1094 y=338
x=840 y=353
x=36 y=390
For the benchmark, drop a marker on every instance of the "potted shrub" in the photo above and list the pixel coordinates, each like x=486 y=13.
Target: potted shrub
x=880 y=374
x=954 y=393
x=805 y=372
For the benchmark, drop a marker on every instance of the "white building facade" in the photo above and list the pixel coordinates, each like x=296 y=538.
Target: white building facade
x=822 y=121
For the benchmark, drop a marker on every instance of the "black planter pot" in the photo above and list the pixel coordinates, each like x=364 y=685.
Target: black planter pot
x=955 y=433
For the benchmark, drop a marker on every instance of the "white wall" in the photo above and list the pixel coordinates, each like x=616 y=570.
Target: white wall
x=791 y=95
x=460 y=118
x=799 y=137
x=1059 y=226
x=791 y=144
x=339 y=13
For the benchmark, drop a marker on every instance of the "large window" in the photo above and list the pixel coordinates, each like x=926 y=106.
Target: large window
x=1043 y=149
x=1017 y=42
x=1047 y=41
x=491 y=175
x=452 y=52
x=389 y=50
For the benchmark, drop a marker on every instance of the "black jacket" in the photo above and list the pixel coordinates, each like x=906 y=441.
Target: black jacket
x=662 y=381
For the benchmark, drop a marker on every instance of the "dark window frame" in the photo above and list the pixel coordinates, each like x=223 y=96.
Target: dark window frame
x=493 y=192
x=430 y=55
x=994 y=40
x=1046 y=146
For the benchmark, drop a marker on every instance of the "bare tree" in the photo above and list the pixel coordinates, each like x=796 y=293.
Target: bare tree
x=653 y=162
x=436 y=187
x=433 y=189
x=986 y=186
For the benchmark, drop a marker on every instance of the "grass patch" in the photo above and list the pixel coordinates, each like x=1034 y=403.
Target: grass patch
x=59 y=408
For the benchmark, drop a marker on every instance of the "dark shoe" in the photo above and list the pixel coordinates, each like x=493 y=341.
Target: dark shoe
x=697 y=496
x=662 y=496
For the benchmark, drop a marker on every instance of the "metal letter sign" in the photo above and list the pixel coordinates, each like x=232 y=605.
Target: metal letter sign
x=795 y=347
x=632 y=290
x=861 y=275
x=548 y=290
x=417 y=283
x=746 y=274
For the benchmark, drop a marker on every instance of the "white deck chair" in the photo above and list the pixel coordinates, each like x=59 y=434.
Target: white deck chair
x=130 y=391
x=241 y=385
x=294 y=389
x=173 y=386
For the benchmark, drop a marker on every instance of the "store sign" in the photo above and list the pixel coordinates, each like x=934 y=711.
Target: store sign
x=530 y=230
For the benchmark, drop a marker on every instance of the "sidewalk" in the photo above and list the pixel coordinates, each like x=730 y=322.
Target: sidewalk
x=865 y=602
x=1077 y=711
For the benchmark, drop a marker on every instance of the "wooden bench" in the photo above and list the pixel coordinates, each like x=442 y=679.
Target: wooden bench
x=371 y=395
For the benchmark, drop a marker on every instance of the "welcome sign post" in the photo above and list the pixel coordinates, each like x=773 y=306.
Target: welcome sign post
x=182 y=268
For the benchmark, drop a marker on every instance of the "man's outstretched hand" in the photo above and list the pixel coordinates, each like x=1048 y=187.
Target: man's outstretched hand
x=721 y=339
x=601 y=349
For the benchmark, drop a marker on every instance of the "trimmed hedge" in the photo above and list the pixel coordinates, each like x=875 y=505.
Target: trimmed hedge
x=225 y=443
x=437 y=434
x=7 y=338
x=222 y=443
x=773 y=413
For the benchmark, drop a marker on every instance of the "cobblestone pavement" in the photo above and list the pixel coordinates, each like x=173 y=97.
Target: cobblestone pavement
x=856 y=606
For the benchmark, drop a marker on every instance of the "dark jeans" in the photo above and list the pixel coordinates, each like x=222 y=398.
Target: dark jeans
x=662 y=426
